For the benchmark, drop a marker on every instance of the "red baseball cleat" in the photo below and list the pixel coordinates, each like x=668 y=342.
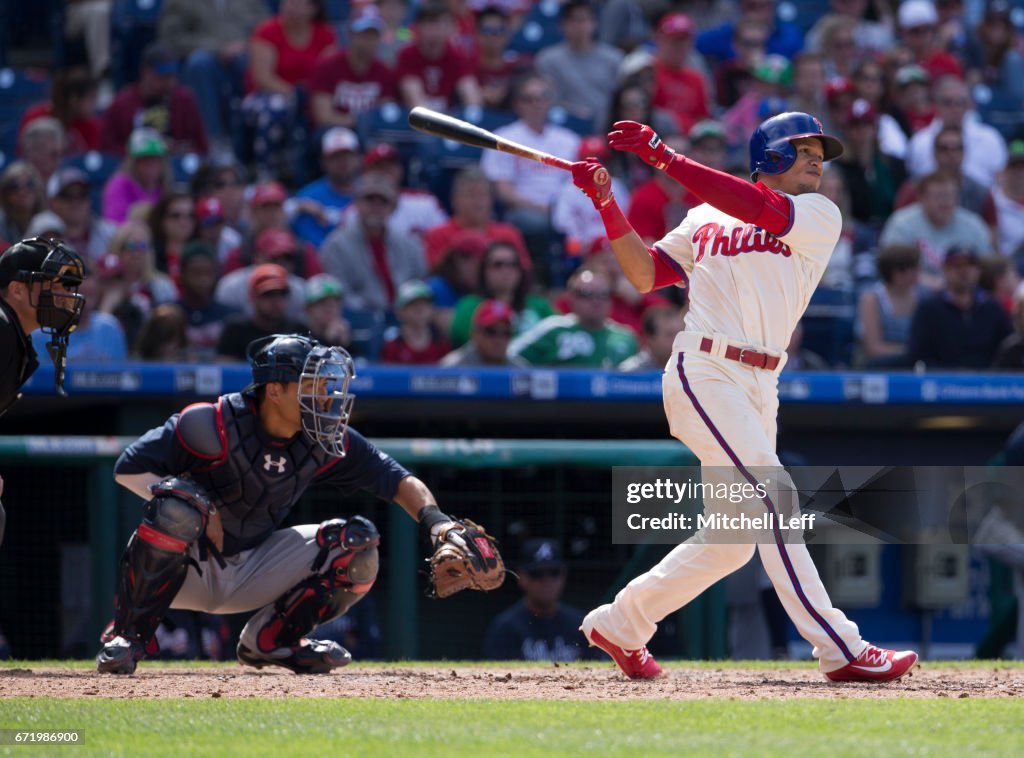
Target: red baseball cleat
x=876 y=664
x=636 y=664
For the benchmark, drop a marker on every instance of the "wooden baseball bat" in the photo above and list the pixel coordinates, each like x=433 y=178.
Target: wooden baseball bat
x=447 y=127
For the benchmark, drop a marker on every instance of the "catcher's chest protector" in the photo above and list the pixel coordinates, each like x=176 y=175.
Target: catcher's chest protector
x=257 y=482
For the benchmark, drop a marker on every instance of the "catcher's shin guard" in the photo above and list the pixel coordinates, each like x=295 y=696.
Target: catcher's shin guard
x=155 y=562
x=324 y=596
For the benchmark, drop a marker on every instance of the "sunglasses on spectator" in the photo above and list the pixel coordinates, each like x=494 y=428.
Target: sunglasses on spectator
x=949 y=147
x=178 y=215
x=493 y=331
x=378 y=199
x=546 y=573
x=275 y=293
x=499 y=263
x=592 y=294
x=73 y=196
x=18 y=185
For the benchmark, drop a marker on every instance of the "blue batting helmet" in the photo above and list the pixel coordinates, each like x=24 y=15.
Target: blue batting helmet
x=771 y=146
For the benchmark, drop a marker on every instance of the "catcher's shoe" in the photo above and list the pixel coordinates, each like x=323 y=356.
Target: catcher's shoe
x=308 y=657
x=119 y=655
x=636 y=664
x=876 y=664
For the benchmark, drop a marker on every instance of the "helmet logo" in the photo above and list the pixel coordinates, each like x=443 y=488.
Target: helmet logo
x=269 y=462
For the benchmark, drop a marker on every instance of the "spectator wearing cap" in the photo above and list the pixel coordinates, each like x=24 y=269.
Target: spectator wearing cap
x=959 y=327
x=1010 y=355
x=43 y=143
x=733 y=76
x=679 y=88
x=911 y=104
x=211 y=225
x=267 y=211
x=431 y=70
x=583 y=338
x=840 y=93
x=69 y=192
x=885 y=309
x=661 y=324
x=784 y=38
x=158 y=102
x=456 y=275
x=142 y=177
x=222 y=178
x=349 y=82
x=316 y=208
x=273 y=245
x=660 y=203
x=771 y=78
x=1008 y=194
x=539 y=627
x=935 y=223
x=283 y=52
x=502 y=278
x=949 y=157
x=99 y=336
x=416 y=340
x=871 y=177
x=573 y=215
x=172 y=222
x=995 y=69
x=872 y=35
x=580 y=67
x=417 y=210
x=21 y=198
x=269 y=294
x=984 y=147
x=323 y=297
x=212 y=38
x=472 y=209
x=918 y=25
x=489 y=338
x=495 y=65
x=72 y=102
x=370 y=259
x=204 y=316
x=46 y=224
x=526 y=188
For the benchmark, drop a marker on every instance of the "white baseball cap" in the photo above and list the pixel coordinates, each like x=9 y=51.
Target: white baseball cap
x=339 y=139
x=917 y=13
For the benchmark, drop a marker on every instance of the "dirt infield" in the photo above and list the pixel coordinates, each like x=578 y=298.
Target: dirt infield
x=575 y=682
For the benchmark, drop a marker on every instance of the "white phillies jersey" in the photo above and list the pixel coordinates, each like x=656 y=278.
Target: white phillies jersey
x=745 y=283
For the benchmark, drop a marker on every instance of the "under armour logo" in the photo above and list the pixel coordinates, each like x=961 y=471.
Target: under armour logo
x=278 y=464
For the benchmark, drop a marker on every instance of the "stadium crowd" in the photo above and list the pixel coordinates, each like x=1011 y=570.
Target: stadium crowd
x=255 y=174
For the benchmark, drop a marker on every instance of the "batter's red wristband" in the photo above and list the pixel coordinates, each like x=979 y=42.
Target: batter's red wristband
x=615 y=222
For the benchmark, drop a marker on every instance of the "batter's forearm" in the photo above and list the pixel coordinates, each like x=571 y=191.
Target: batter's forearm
x=635 y=260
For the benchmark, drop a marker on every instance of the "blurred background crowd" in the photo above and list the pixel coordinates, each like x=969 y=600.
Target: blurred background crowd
x=235 y=168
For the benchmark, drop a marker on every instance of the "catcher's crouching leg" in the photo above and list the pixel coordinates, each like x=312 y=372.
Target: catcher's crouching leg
x=153 y=569
x=275 y=635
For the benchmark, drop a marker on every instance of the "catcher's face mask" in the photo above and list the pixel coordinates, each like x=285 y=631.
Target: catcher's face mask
x=324 y=400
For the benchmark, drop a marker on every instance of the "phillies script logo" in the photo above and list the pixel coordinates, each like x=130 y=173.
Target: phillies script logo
x=712 y=239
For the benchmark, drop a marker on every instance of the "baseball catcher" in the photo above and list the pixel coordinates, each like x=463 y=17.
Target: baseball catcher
x=220 y=478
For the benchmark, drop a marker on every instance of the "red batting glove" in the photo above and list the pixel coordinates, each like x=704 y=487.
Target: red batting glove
x=631 y=137
x=587 y=175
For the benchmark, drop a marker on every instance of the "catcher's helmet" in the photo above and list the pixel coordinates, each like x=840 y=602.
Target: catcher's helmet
x=771 y=146
x=322 y=373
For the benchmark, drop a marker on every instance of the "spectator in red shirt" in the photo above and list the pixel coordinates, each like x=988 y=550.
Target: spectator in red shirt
x=678 y=87
x=73 y=103
x=283 y=52
x=415 y=340
x=352 y=81
x=156 y=101
x=473 y=208
x=431 y=70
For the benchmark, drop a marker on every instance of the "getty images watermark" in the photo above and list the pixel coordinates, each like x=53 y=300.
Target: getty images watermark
x=916 y=505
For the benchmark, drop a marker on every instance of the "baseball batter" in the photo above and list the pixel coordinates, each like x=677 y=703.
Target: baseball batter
x=751 y=256
x=221 y=477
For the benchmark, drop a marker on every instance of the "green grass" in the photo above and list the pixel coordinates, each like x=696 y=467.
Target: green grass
x=341 y=727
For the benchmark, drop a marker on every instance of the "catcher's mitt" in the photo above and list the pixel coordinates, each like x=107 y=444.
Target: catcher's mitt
x=466 y=557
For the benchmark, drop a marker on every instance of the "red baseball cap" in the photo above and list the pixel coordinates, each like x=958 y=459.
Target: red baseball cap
x=267 y=277
x=861 y=111
x=378 y=153
x=491 y=312
x=594 y=146
x=268 y=193
x=466 y=241
x=274 y=243
x=676 y=25
x=209 y=210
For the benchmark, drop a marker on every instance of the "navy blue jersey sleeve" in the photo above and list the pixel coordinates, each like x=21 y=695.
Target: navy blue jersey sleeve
x=364 y=467
x=160 y=451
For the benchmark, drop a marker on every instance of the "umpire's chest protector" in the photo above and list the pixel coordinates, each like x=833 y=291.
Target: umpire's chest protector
x=258 y=478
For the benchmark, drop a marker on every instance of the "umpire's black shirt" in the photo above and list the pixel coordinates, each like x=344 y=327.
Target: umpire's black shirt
x=18 y=359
